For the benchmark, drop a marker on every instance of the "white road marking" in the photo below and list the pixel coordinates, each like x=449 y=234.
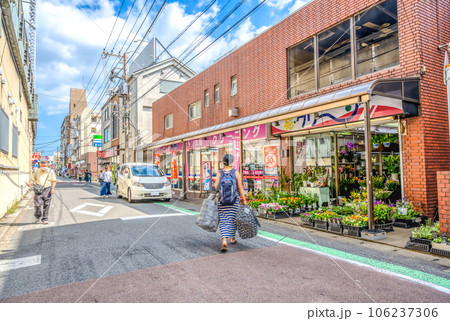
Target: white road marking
x=104 y=209
x=151 y=216
x=89 y=213
x=35 y=226
x=6 y=265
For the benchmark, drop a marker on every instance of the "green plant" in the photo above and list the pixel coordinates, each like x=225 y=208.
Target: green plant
x=392 y=185
x=427 y=231
x=392 y=164
x=382 y=194
x=376 y=139
x=378 y=182
x=382 y=213
x=13 y=207
x=297 y=181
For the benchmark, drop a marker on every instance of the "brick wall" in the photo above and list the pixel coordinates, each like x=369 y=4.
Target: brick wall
x=443 y=182
x=261 y=70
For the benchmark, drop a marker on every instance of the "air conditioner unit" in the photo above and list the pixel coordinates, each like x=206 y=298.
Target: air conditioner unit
x=234 y=112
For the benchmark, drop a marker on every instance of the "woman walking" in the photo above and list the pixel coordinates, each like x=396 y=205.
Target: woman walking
x=228 y=182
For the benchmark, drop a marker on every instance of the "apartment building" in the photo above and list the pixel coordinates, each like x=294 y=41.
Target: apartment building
x=19 y=105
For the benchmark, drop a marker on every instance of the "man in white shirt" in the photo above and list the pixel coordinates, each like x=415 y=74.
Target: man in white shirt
x=45 y=180
x=106 y=186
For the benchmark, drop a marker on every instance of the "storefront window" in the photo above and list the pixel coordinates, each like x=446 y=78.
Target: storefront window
x=377 y=38
x=335 y=63
x=194 y=166
x=261 y=165
x=313 y=166
x=301 y=68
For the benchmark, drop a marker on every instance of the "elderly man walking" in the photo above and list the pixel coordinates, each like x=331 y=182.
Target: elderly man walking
x=44 y=181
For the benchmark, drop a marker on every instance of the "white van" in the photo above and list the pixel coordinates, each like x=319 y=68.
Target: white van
x=138 y=181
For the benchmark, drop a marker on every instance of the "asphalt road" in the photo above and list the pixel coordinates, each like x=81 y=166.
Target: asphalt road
x=106 y=250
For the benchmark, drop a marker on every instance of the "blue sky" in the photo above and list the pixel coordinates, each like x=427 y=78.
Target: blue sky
x=71 y=35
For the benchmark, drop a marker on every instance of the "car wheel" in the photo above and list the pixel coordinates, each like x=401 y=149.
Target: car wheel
x=167 y=200
x=129 y=196
x=117 y=191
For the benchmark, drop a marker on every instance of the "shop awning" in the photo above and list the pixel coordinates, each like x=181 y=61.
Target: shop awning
x=404 y=89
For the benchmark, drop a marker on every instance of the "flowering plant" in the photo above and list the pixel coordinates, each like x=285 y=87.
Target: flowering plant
x=273 y=207
x=326 y=215
x=355 y=220
x=383 y=213
x=391 y=185
x=310 y=215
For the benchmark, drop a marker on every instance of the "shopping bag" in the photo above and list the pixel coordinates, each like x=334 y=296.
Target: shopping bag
x=246 y=221
x=209 y=214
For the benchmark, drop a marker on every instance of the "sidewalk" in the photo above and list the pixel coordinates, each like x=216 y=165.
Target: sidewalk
x=397 y=238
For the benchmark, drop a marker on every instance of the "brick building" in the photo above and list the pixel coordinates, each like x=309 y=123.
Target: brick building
x=304 y=83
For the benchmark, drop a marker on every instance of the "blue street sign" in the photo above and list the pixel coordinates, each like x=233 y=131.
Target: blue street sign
x=98 y=144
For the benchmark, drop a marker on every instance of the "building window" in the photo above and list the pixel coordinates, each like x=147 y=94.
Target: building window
x=106 y=135
x=216 y=94
x=195 y=110
x=207 y=98
x=168 y=121
x=4 y=131
x=73 y=105
x=93 y=119
x=377 y=38
x=15 y=141
x=334 y=46
x=234 y=85
x=114 y=122
x=93 y=130
x=302 y=77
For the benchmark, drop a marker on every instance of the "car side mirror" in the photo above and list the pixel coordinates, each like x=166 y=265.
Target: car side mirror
x=127 y=175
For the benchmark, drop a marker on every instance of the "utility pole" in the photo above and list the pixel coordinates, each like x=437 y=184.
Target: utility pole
x=123 y=92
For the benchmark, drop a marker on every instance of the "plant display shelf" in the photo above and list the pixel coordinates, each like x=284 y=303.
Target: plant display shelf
x=278 y=215
x=387 y=227
x=307 y=221
x=353 y=230
x=335 y=227
x=405 y=223
x=423 y=245
x=321 y=225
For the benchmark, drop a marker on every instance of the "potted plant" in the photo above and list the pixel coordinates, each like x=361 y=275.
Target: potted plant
x=421 y=238
x=383 y=215
x=391 y=185
x=393 y=166
x=307 y=218
x=321 y=219
x=335 y=225
x=353 y=225
x=376 y=141
x=441 y=246
x=378 y=182
x=387 y=139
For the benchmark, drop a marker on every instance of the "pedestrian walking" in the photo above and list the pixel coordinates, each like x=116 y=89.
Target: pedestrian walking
x=90 y=176
x=86 y=176
x=106 y=185
x=79 y=174
x=43 y=181
x=228 y=183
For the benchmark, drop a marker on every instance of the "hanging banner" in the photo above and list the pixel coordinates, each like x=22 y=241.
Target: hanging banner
x=206 y=176
x=157 y=159
x=270 y=160
x=174 y=166
x=237 y=154
x=380 y=107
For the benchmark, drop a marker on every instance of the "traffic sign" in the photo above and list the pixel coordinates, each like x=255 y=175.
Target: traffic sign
x=36 y=155
x=97 y=141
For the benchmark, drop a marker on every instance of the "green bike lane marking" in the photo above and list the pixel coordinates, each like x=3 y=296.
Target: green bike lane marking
x=399 y=271
x=178 y=208
x=414 y=275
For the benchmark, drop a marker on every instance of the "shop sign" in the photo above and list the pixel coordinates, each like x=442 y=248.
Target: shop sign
x=246 y=172
x=99 y=154
x=270 y=160
x=174 y=166
x=109 y=152
x=206 y=176
x=258 y=172
x=254 y=132
x=157 y=159
x=36 y=155
x=381 y=107
x=237 y=153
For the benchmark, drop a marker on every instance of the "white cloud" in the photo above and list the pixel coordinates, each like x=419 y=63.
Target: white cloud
x=278 y=4
x=298 y=4
x=57 y=109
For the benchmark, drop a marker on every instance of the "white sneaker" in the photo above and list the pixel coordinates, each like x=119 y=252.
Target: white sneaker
x=44 y=222
x=37 y=220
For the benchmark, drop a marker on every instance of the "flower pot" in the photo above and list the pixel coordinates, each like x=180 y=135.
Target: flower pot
x=320 y=225
x=386 y=144
x=376 y=145
x=394 y=177
x=353 y=230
